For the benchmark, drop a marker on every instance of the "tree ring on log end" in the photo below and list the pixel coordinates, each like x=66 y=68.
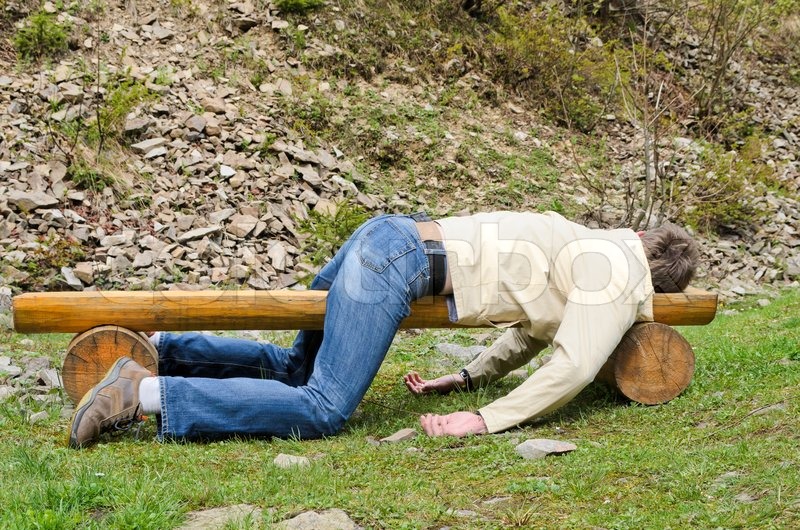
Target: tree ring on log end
x=92 y=353
x=653 y=363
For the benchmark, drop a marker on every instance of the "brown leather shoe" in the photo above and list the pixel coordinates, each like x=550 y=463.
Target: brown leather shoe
x=113 y=404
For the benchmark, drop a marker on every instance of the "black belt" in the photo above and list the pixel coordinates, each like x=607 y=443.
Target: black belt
x=437 y=263
x=437 y=259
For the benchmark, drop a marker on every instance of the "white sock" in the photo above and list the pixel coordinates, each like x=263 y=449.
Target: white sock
x=154 y=338
x=150 y=395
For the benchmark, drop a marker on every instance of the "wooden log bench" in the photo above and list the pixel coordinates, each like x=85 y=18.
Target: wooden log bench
x=652 y=364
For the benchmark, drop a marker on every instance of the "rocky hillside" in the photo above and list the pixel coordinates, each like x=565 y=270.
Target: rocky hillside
x=180 y=145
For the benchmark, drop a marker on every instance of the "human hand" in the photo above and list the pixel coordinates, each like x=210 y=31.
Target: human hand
x=442 y=385
x=455 y=424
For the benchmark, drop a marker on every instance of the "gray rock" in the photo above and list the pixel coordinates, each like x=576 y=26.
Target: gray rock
x=215 y=105
x=148 y=145
x=7 y=392
x=143 y=259
x=31 y=201
x=285 y=461
x=333 y=519
x=71 y=279
x=36 y=417
x=196 y=123
x=220 y=216
x=155 y=153
x=763 y=302
x=162 y=33
x=226 y=171
x=539 y=448
x=278 y=256
x=10 y=371
x=84 y=271
x=136 y=125
x=223 y=517
x=400 y=436
x=198 y=233
x=241 y=225
x=114 y=240
x=460 y=352
x=49 y=377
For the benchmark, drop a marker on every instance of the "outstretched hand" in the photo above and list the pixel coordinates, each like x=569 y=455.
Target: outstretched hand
x=455 y=424
x=441 y=385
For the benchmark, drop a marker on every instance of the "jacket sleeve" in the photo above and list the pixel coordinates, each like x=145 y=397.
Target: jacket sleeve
x=585 y=339
x=512 y=350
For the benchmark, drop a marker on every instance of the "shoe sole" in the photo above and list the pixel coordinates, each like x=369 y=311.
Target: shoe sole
x=88 y=399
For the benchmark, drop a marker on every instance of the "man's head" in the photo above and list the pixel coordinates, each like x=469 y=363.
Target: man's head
x=673 y=257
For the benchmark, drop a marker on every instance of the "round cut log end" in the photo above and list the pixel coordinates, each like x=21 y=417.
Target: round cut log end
x=92 y=353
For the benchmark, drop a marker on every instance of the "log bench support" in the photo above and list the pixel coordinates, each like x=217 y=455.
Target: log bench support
x=652 y=364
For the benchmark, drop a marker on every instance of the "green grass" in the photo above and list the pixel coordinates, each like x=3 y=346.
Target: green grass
x=718 y=456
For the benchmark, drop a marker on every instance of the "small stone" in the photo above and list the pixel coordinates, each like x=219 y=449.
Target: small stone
x=148 y=145
x=226 y=171
x=31 y=201
x=739 y=290
x=400 y=436
x=136 y=125
x=223 y=517
x=161 y=33
x=333 y=519
x=539 y=448
x=6 y=391
x=285 y=461
x=745 y=498
x=198 y=233
x=37 y=417
x=196 y=123
x=155 y=153
x=279 y=24
x=143 y=259
x=10 y=370
x=71 y=279
x=460 y=352
x=242 y=225
x=763 y=302
x=84 y=271
x=238 y=271
x=49 y=377
x=278 y=256
x=215 y=105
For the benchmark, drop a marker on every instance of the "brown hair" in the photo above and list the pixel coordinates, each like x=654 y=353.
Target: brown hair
x=673 y=257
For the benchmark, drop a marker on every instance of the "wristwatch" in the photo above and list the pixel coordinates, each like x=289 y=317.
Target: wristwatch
x=467 y=379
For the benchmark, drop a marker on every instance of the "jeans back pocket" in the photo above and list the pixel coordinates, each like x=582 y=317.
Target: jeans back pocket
x=382 y=244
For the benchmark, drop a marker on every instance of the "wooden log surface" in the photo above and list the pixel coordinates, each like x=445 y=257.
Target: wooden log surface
x=91 y=354
x=75 y=312
x=651 y=365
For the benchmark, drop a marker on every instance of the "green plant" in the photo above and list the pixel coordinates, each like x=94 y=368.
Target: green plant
x=41 y=36
x=329 y=230
x=88 y=178
x=44 y=262
x=298 y=6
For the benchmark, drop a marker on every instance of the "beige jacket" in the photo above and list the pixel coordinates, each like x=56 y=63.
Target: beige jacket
x=575 y=288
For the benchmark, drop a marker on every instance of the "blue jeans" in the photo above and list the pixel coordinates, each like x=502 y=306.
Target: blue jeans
x=214 y=387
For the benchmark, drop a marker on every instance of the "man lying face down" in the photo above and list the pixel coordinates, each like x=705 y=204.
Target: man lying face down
x=566 y=285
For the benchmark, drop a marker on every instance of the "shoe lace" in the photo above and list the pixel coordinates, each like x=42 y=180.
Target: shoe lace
x=127 y=423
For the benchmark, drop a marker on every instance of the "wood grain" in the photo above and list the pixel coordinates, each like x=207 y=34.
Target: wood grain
x=75 y=312
x=651 y=365
x=91 y=354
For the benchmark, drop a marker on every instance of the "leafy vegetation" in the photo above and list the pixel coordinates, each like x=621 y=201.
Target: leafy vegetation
x=298 y=6
x=41 y=36
x=328 y=230
x=718 y=456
